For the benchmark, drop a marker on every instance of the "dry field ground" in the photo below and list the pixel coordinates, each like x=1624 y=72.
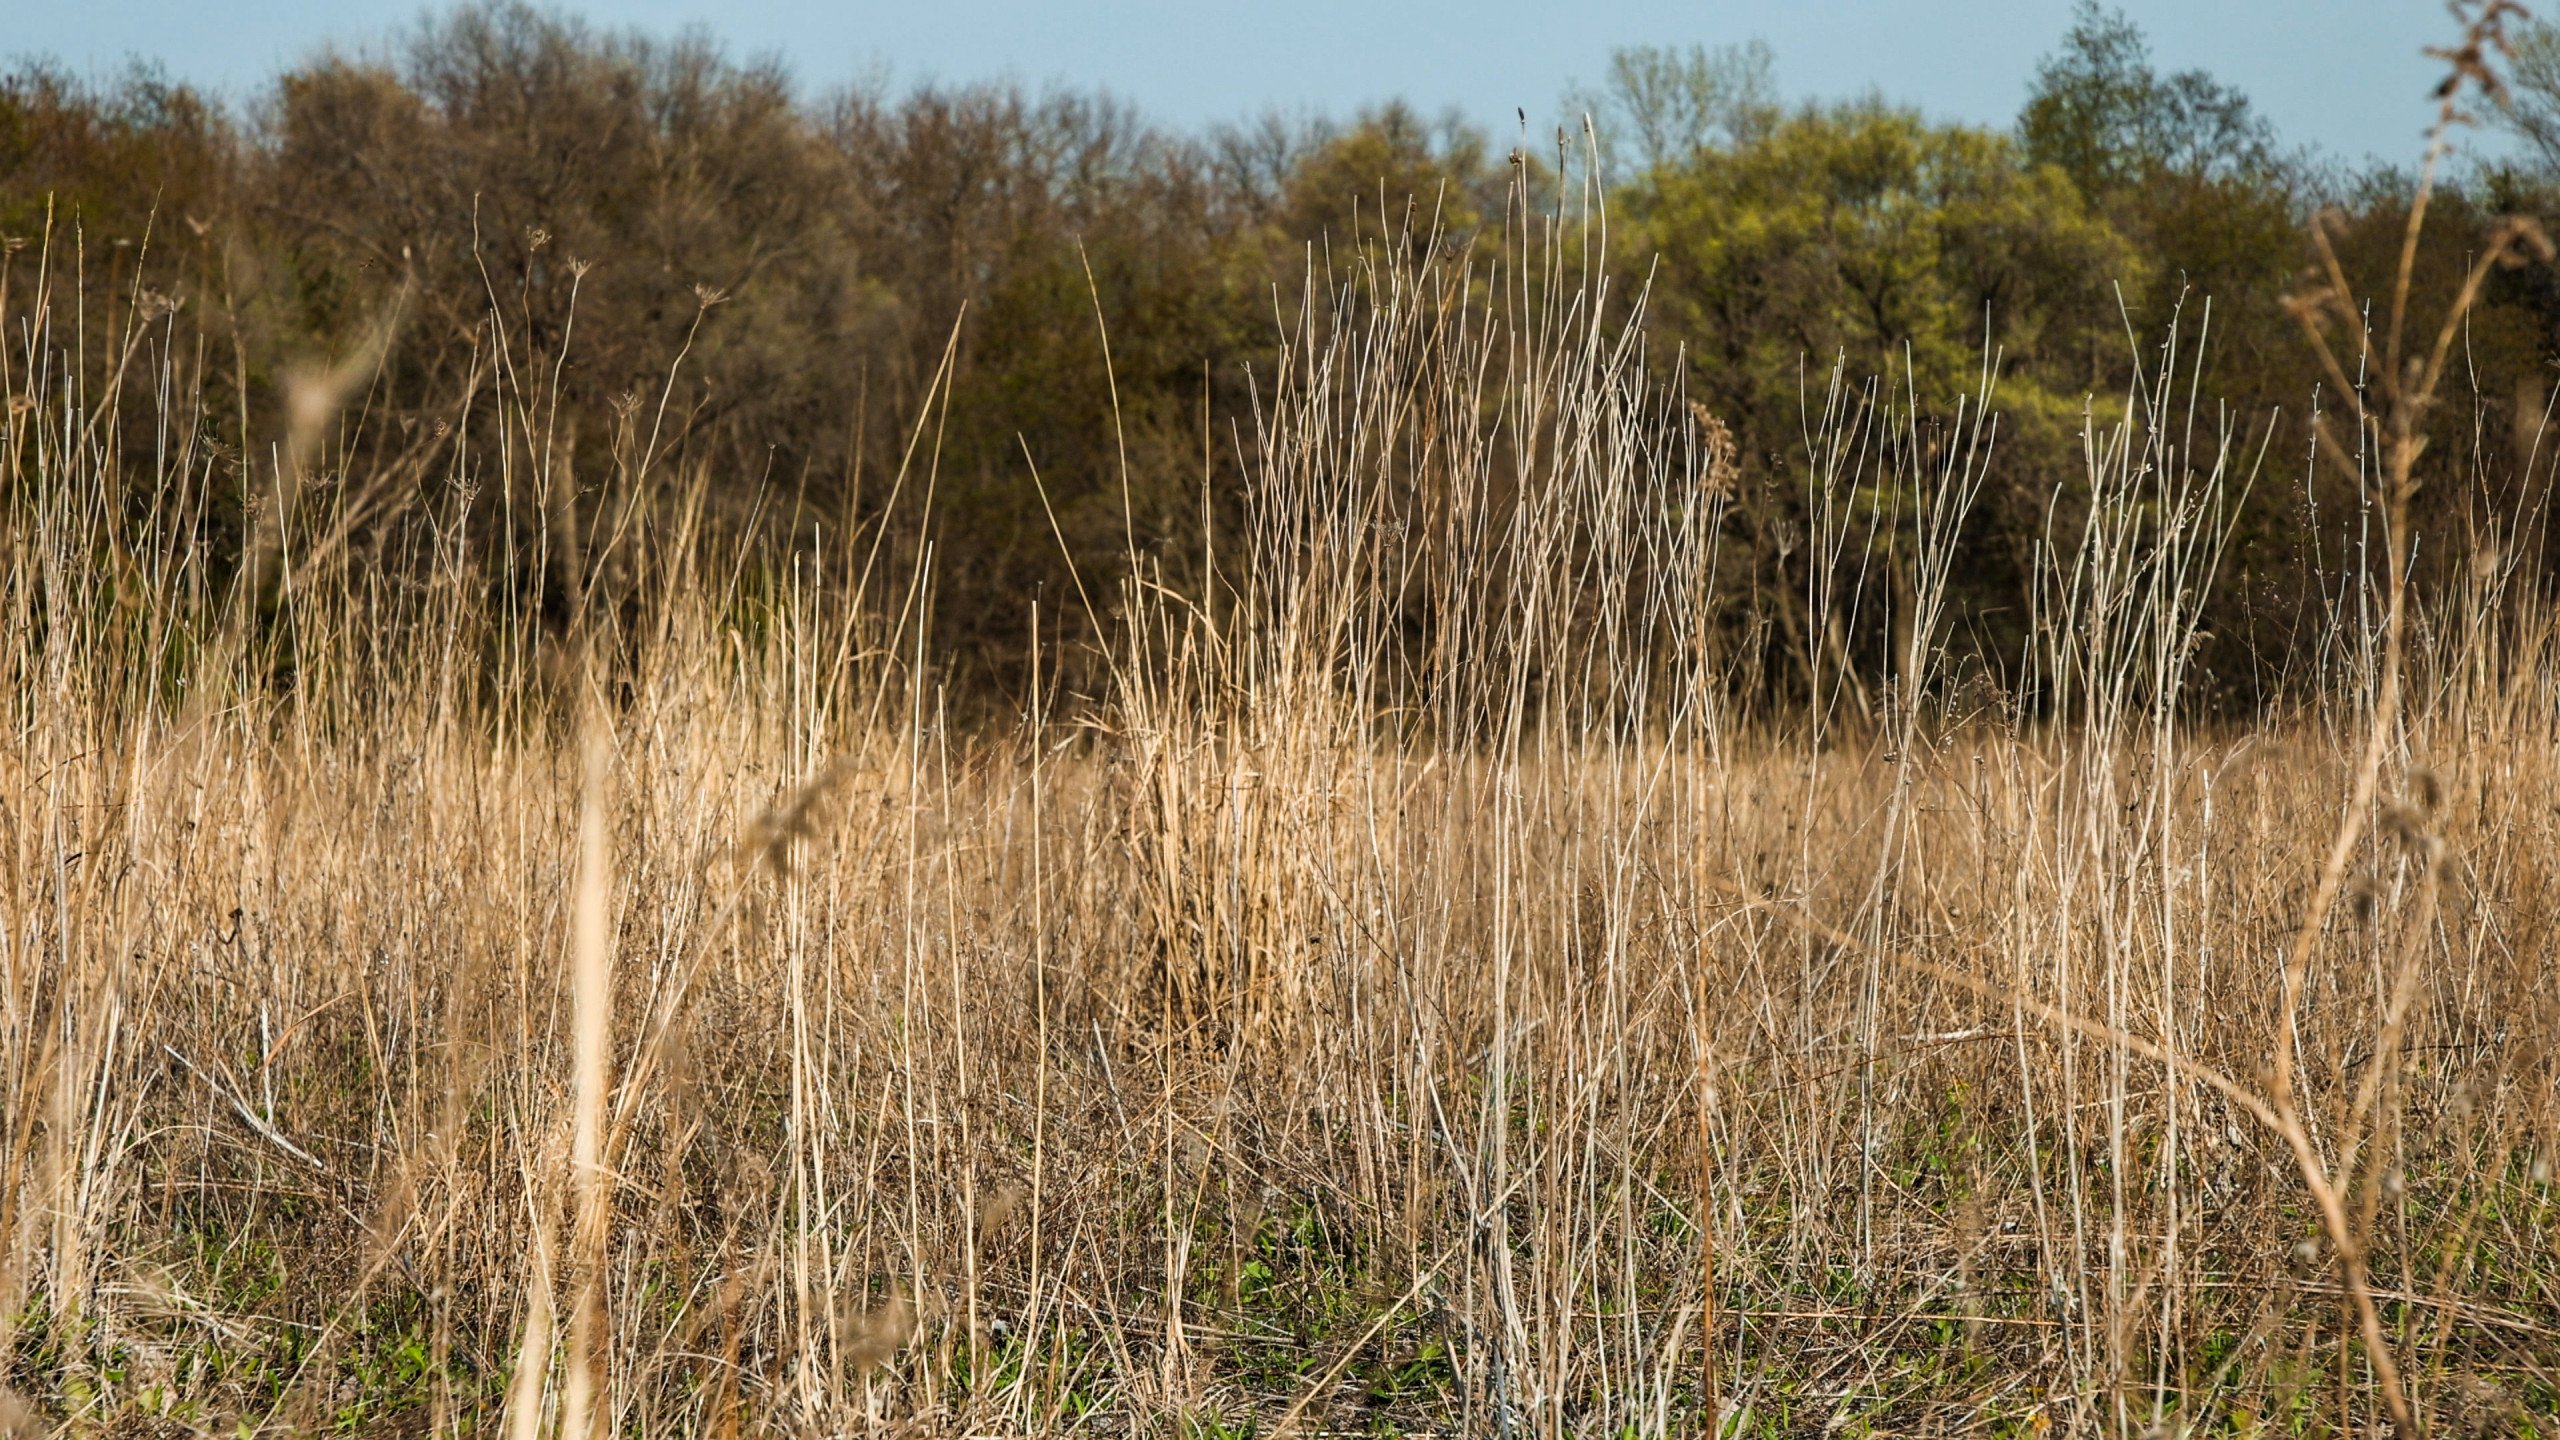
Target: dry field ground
x=1403 y=987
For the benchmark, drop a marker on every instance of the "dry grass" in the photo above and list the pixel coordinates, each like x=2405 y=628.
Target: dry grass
x=1412 y=994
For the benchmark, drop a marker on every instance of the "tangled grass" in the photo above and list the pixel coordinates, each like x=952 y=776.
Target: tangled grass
x=1414 y=992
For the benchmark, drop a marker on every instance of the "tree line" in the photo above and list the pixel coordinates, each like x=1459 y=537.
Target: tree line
x=785 y=297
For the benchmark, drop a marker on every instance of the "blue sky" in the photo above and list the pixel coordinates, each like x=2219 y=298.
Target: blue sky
x=2344 y=73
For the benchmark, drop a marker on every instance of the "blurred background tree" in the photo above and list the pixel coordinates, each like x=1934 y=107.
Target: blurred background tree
x=549 y=215
x=1659 y=105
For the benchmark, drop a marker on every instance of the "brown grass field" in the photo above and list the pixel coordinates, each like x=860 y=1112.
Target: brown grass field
x=1402 y=987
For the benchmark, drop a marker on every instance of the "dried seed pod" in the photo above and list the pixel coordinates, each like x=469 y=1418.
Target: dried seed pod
x=2426 y=789
x=2404 y=823
x=2362 y=893
x=874 y=1336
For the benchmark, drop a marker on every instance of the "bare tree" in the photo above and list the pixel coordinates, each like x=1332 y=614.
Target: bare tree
x=1661 y=103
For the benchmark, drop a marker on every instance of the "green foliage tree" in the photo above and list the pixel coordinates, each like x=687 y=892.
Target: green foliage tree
x=1865 y=237
x=2101 y=112
x=517 y=184
x=1392 y=173
x=1867 y=234
x=2188 y=170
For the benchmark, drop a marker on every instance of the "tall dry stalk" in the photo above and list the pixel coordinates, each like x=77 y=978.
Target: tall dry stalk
x=2389 y=441
x=591 y=991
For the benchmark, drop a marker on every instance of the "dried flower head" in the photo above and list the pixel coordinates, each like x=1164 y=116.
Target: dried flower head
x=874 y=1336
x=2485 y=561
x=998 y=1206
x=2362 y=893
x=2425 y=789
x=1723 y=475
x=2405 y=823
x=794 y=817
x=2475 y=1405
x=2484 y=34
